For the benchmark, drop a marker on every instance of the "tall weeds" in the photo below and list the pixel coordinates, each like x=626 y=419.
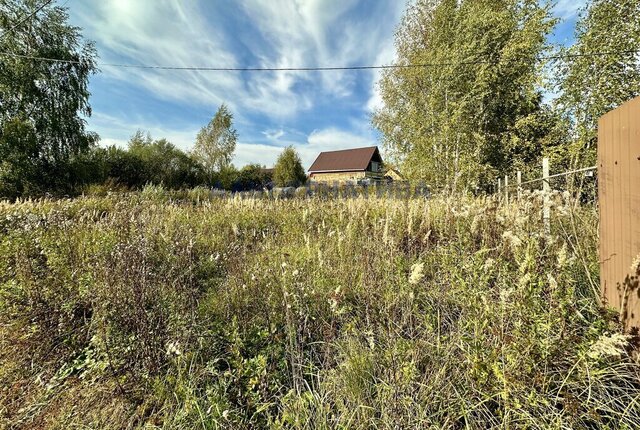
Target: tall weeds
x=158 y=310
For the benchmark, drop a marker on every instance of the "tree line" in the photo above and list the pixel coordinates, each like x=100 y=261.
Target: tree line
x=498 y=96
x=45 y=147
x=490 y=99
x=158 y=162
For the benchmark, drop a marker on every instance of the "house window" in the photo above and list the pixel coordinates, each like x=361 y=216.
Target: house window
x=375 y=166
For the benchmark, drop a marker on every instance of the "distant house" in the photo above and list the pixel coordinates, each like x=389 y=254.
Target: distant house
x=349 y=165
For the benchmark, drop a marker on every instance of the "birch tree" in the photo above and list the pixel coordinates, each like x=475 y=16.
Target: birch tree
x=454 y=116
x=216 y=142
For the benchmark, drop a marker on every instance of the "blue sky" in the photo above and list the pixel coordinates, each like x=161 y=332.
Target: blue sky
x=314 y=111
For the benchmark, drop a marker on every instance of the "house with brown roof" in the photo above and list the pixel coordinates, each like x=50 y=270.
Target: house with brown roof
x=349 y=165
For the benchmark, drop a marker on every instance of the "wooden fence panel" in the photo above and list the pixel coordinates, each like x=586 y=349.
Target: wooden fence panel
x=619 y=199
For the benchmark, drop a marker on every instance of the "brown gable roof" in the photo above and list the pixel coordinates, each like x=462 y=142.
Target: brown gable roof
x=346 y=160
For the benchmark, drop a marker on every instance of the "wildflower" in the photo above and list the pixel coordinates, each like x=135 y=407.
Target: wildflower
x=475 y=224
x=225 y=414
x=173 y=348
x=506 y=293
x=417 y=273
x=511 y=239
x=333 y=304
x=562 y=256
x=488 y=265
x=296 y=272
x=552 y=281
x=609 y=346
x=524 y=280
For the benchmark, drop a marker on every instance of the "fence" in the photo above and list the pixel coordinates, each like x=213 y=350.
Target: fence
x=619 y=199
x=504 y=188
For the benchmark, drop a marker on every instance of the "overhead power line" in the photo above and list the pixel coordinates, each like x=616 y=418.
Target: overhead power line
x=26 y=18
x=312 y=69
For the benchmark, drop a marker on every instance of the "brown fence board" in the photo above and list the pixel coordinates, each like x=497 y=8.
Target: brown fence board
x=619 y=199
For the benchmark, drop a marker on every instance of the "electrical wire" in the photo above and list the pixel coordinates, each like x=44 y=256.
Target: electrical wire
x=309 y=69
x=31 y=15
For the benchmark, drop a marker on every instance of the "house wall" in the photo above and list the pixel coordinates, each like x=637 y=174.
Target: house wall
x=332 y=177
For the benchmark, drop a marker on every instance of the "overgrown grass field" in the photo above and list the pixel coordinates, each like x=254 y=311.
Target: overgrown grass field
x=183 y=311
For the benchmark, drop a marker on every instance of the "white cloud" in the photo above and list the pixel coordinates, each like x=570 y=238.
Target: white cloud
x=275 y=33
x=333 y=138
x=328 y=139
x=567 y=9
x=273 y=134
x=294 y=33
x=308 y=146
x=387 y=56
x=247 y=153
x=117 y=130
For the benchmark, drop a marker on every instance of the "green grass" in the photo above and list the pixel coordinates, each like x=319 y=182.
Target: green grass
x=178 y=310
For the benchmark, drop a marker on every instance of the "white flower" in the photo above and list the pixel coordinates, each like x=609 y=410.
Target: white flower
x=416 y=273
x=562 y=256
x=609 y=346
x=511 y=239
x=489 y=264
x=173 y=348
x=506 y=293
x=524 y=280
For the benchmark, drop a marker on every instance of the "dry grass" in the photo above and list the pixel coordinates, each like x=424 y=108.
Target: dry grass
x=181 y=310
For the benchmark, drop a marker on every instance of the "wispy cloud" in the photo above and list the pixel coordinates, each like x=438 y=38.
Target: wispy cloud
x=273 y=134
x=270 y=108
x=568 y=9
x=308 y=146
x=286 y=34
x=115 y=130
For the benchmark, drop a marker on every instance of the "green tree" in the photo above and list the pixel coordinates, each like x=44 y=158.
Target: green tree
x=47 y=101
x=592 y=85
x=460 y=124
x=216 y=142
x=163 y=163
x=288 y=171
x=253 y=177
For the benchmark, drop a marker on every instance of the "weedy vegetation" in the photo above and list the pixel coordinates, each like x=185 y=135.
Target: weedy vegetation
x=169 y=310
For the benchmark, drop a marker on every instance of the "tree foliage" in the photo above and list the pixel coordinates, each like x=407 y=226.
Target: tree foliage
x=470 y=118
x=46 y=101
x=592 y=85
x=288 y=171
x=216 y=142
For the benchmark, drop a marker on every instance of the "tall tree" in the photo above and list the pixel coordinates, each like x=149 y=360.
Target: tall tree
x=46 y=101
x=592 y=85
x=162 y=163
x=463 y=121
x=288 y=171
x=216 y=142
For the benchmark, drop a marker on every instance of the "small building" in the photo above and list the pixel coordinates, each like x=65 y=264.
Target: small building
x=349 y=165
x=394 y=175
